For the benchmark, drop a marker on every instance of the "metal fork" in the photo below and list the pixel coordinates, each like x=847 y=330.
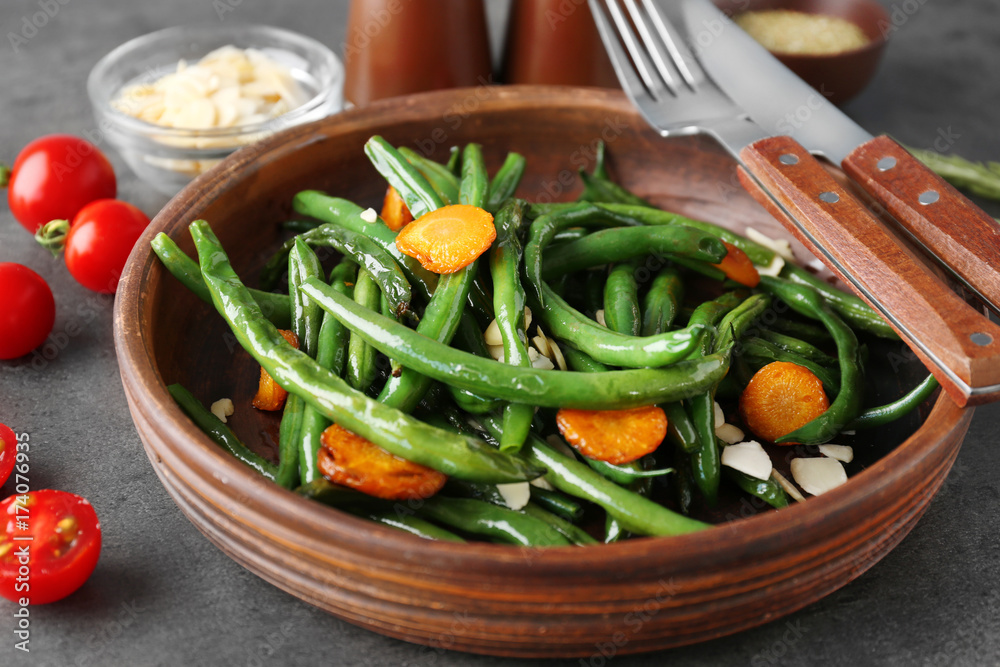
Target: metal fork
x=650 y=47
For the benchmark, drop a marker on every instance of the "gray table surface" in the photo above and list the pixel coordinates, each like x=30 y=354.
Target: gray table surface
x=163 y=595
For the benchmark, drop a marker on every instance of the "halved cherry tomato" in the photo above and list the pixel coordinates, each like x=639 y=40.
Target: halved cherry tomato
x=56 y=176
x=99 y=241
x=27 y=310
x=8 y=452
x=62 y=552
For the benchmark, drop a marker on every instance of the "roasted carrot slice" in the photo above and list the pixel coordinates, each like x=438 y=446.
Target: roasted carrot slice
x=270 y=395
x=737 y=266
x=781 y=397
x=349 y=460
x=394 y=210
x=448 y=239
x=614 y=436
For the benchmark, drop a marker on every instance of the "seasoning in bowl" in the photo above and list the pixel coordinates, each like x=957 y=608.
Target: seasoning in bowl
x=229 y=87
x=791 y=32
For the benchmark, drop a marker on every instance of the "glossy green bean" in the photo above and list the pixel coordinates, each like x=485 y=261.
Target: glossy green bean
x=363 y=250
x=441 y=179
x=546 y=388
x=890 y=412
x=767 y=490
x=475 y=184
x=855 y=312
x=408 y=523
x=347 y=214
x=461 y=457
x=486 y=519
x=621 y=300
x=625 y=474
x=361 y=357
x=275 y=307
x=582 y=362
x=505 y=181
x=411 y=185
x=221 y=434
x=288 y=474
x=571 y=532
x=797 y=346
x=557 y=503
x=636 y=513
x=680 y=428
x=662 y=302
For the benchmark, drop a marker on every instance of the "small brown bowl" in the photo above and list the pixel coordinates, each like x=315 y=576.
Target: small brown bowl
x=839 y=76
x=638 y=595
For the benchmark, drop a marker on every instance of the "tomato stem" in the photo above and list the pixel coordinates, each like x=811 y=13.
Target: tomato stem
x=4 y=175
x=52 y=235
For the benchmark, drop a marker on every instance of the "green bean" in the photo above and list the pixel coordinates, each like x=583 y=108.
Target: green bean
x=573 y=533
x=545 y=388
x=625 y=474
x=684 y=483
x=705 y=463
x=475 y=184
x=767 y=490
x=454 y=160
x=221 y=434
x=890 y=412
x=441 y=179
x=306 y=315
x=847 y=405
x=275 y=307
x=662 y=302
x=680 y=428
x=809 y=333
x=593 y=288
x=759 y=352
x=347 y=214
x=602 y=190
x=582 y=362
x=300 y=226
x=854 y=311
x=648 y=215
x=456 y=456
x=708 y=315
x=411 y=185
x=798 y=347
x=363 y=250
x=737 y=321
x=288 y=441
x=361 y=357
x=505 y=181
x=499 y=523
x=621 y=300
x=636 y=513
x=623 y=243
x=557 y=503
x=408 y=523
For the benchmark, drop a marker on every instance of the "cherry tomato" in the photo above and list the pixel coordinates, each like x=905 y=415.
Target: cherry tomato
x=27 y=310
x=8 y=452
x=54 y=177
x=62 y=552
x=100 y=239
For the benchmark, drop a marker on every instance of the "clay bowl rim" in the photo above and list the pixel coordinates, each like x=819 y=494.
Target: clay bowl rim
x=877 y=39
x=266 y=505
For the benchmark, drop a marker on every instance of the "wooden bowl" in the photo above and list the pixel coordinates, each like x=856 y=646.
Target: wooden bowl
x=839 y=76
x=639 y=595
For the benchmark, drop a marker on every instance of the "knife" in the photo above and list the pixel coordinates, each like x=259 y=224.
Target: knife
x=960 y=235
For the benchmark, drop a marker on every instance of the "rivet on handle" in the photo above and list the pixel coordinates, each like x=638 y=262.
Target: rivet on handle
x=886 y=163
x=981 y=339
x=829 y=197
x=789 y=158
x=928 y=197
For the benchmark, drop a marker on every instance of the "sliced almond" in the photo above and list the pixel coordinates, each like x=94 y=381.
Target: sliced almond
x=780 y=246
x=840 y=452
x=599 y=316
x=542 y=345
x=774 y=268
x=818 y=475
x=730 y=434
x=223 y=408
x=515 y=495
x=527 y=318
x=559 y=444
x=492 y=334
x=789 y=488
x=542 y=483
x=369 y=215
x=496 y=351
x=748 y=457
x=558 y=356
x=720 y=416
x=543 y=364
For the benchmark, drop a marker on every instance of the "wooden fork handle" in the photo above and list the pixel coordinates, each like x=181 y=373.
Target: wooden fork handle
x=957 y=343
x=960 y=234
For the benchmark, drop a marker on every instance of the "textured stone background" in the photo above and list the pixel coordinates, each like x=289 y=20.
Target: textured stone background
x=162 y=595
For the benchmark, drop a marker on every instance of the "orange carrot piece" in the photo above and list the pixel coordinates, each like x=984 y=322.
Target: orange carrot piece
x=780 y=398
x=394 y=210
x=350 y=460
x=448 y=239
x=270 y=395
x=614 y=436
x=737 y=266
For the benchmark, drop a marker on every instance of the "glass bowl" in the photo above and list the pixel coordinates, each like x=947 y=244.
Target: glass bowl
x=168 y=158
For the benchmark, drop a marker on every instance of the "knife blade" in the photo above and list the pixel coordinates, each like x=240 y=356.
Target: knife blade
x=960 y=235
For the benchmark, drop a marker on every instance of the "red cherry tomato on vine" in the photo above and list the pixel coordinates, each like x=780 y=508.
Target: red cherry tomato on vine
x=27 y=310
x=54 y=177
x=63 y=551
x=99 y=241
x=8 y=452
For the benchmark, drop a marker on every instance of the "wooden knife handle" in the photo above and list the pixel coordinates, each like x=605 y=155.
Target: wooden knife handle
x=957 y=343
x=956 y=231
